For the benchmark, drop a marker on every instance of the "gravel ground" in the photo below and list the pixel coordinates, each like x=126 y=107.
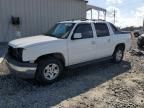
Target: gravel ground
x=101 y=85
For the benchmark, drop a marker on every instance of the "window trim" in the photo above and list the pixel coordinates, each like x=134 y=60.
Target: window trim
x=77 y=27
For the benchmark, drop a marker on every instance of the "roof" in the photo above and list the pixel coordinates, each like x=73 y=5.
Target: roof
x=89 y=7
x=83 y=21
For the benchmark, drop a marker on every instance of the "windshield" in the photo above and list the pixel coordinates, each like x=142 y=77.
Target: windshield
x=61 y=30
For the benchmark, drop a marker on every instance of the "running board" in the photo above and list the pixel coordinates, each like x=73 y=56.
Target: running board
x=90 y=62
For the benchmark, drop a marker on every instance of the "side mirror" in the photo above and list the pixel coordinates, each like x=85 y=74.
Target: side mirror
x=77 y=36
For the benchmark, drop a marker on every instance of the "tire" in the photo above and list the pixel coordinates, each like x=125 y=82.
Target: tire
x=118 y=54
x=48 y=71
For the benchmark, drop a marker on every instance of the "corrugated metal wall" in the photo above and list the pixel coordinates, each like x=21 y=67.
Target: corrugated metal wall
x=37 y=16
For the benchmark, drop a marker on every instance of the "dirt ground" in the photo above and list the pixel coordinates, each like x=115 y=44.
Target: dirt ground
x=100 y=85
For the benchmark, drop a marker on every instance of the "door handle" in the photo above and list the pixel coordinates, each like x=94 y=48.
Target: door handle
x=93 y=42
x=109 y=40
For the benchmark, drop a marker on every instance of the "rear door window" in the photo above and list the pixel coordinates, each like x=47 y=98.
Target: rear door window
x=101 y=29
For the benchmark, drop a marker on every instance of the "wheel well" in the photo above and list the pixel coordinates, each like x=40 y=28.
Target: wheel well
x=122 y=45
x=58 y=56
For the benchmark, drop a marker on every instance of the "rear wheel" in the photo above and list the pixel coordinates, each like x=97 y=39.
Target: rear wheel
x=48 y=71
x=118 y=54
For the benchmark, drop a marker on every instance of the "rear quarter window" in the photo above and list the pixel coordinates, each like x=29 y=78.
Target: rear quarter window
x=115 y=29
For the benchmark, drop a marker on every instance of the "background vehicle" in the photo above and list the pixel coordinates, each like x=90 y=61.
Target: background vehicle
x=67 y=44
x=136 y=33
x=140 y=41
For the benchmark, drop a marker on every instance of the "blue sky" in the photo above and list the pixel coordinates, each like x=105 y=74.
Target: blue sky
x=129 y=12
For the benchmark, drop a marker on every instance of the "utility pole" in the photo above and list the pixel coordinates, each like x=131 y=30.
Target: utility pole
x=91 y=14
x=143 y=24
x=114 y=16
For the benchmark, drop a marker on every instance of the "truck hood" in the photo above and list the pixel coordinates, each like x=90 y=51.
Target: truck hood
x=31 y=41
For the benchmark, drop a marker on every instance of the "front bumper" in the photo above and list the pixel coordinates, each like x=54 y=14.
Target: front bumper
x=23 y=70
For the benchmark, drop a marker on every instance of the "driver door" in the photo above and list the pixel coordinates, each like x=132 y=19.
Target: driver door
x=82 y=49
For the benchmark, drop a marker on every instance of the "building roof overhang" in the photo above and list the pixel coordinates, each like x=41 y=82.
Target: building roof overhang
x=89 y=7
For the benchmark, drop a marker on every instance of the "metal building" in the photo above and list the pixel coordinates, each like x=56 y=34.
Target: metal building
x=33 y=17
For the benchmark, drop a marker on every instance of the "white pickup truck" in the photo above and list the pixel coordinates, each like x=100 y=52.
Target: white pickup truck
x=68 y=43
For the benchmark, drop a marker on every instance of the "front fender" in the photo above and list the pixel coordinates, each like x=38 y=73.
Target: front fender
x=33 y=53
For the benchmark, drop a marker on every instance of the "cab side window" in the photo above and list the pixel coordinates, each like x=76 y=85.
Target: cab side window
x=101 y=29
x=85 y=30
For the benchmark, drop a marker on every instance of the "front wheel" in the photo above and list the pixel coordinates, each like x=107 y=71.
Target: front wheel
x=48 y=71
x=118 y=55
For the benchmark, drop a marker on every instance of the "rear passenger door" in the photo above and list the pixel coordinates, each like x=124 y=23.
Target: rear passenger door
x=104 y=46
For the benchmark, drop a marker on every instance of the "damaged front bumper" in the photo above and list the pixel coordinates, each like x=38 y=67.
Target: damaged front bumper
x=23 y=70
